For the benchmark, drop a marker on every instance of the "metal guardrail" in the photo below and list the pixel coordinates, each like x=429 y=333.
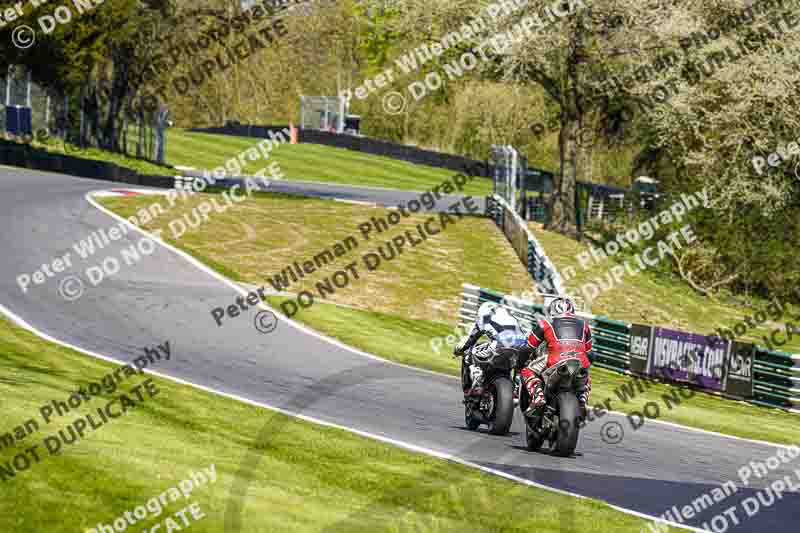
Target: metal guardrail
x=527 y=247
x=776 y=374
x=776 y=379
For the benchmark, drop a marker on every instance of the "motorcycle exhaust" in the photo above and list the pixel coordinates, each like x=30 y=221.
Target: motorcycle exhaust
x=562 y=375
x=581 y=377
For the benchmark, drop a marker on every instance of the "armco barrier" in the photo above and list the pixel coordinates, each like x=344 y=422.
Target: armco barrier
x=358 y=143
x=22 y=155
x=243 y=130
x=528 y=249
x=776 y=374
x=187 y=182
x=776 y=379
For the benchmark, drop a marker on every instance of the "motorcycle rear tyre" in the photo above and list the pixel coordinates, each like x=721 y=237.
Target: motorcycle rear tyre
x=470 y=421
x=503 y=391
x=568 y=419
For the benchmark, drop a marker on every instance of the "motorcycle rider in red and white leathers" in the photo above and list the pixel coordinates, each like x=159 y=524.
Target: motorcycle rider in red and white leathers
x=564 y=335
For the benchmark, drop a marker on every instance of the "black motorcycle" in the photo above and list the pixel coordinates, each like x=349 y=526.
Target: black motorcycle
x=558 y=420
x=495 y=407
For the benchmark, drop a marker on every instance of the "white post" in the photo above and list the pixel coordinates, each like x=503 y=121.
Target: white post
x=510 y=176
x=302 y=112
x=66 y=116
x=28 y=95
x=342 y=111
x=8 y=87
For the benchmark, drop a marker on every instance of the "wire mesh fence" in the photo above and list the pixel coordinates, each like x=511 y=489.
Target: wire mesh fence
x=325 y=113
x=505 y=161
x=80 y=117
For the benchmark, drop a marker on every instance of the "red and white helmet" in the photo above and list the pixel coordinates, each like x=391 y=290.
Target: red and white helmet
x=560 y=306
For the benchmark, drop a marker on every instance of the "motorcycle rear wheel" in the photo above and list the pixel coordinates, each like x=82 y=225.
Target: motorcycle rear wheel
x=470 y=421
x=568 y=419
x=502 y=417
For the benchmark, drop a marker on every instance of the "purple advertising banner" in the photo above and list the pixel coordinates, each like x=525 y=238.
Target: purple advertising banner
x=682 y=356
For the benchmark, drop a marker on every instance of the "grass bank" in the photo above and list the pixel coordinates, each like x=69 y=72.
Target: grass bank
x=256 y=239
x=312 y=162
x=300 y=162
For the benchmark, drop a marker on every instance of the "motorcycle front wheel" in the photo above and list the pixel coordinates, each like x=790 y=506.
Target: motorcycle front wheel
x=470 y=421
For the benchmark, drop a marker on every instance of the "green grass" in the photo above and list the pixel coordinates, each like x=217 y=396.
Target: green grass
x=139 y=165
x=300 y=162
x=404 y=340
x=297 y=476
x=409 y=341
x=312 y=162
x=254 y=240
x=657 y=298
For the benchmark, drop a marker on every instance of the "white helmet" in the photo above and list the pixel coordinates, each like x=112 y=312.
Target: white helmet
x=487 y=308
x=560 y=306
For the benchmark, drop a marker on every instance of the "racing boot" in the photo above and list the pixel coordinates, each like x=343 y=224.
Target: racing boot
x=583 y=399
x=537 y=397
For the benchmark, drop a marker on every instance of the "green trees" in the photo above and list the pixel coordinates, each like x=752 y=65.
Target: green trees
x=715 y=83
x=93 y=50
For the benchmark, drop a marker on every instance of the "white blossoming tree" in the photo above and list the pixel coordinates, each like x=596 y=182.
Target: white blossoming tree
x=707 y=110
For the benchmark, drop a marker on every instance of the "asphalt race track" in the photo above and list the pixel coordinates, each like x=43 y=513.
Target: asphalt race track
x=372 y=195
x=165 y=298
x=384 y=197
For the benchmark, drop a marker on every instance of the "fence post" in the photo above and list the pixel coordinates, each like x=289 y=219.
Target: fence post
x=140 y=132
x=578 y=221
x=160 y=135
x=8 y=88
x=82 y=132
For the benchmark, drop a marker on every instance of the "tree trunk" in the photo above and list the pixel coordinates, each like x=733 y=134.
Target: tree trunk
x=574 y=166
x=119 y=90
x=562 y=208
x=92 y=109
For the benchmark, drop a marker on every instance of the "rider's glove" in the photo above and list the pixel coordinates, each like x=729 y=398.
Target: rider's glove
x=459 y=348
